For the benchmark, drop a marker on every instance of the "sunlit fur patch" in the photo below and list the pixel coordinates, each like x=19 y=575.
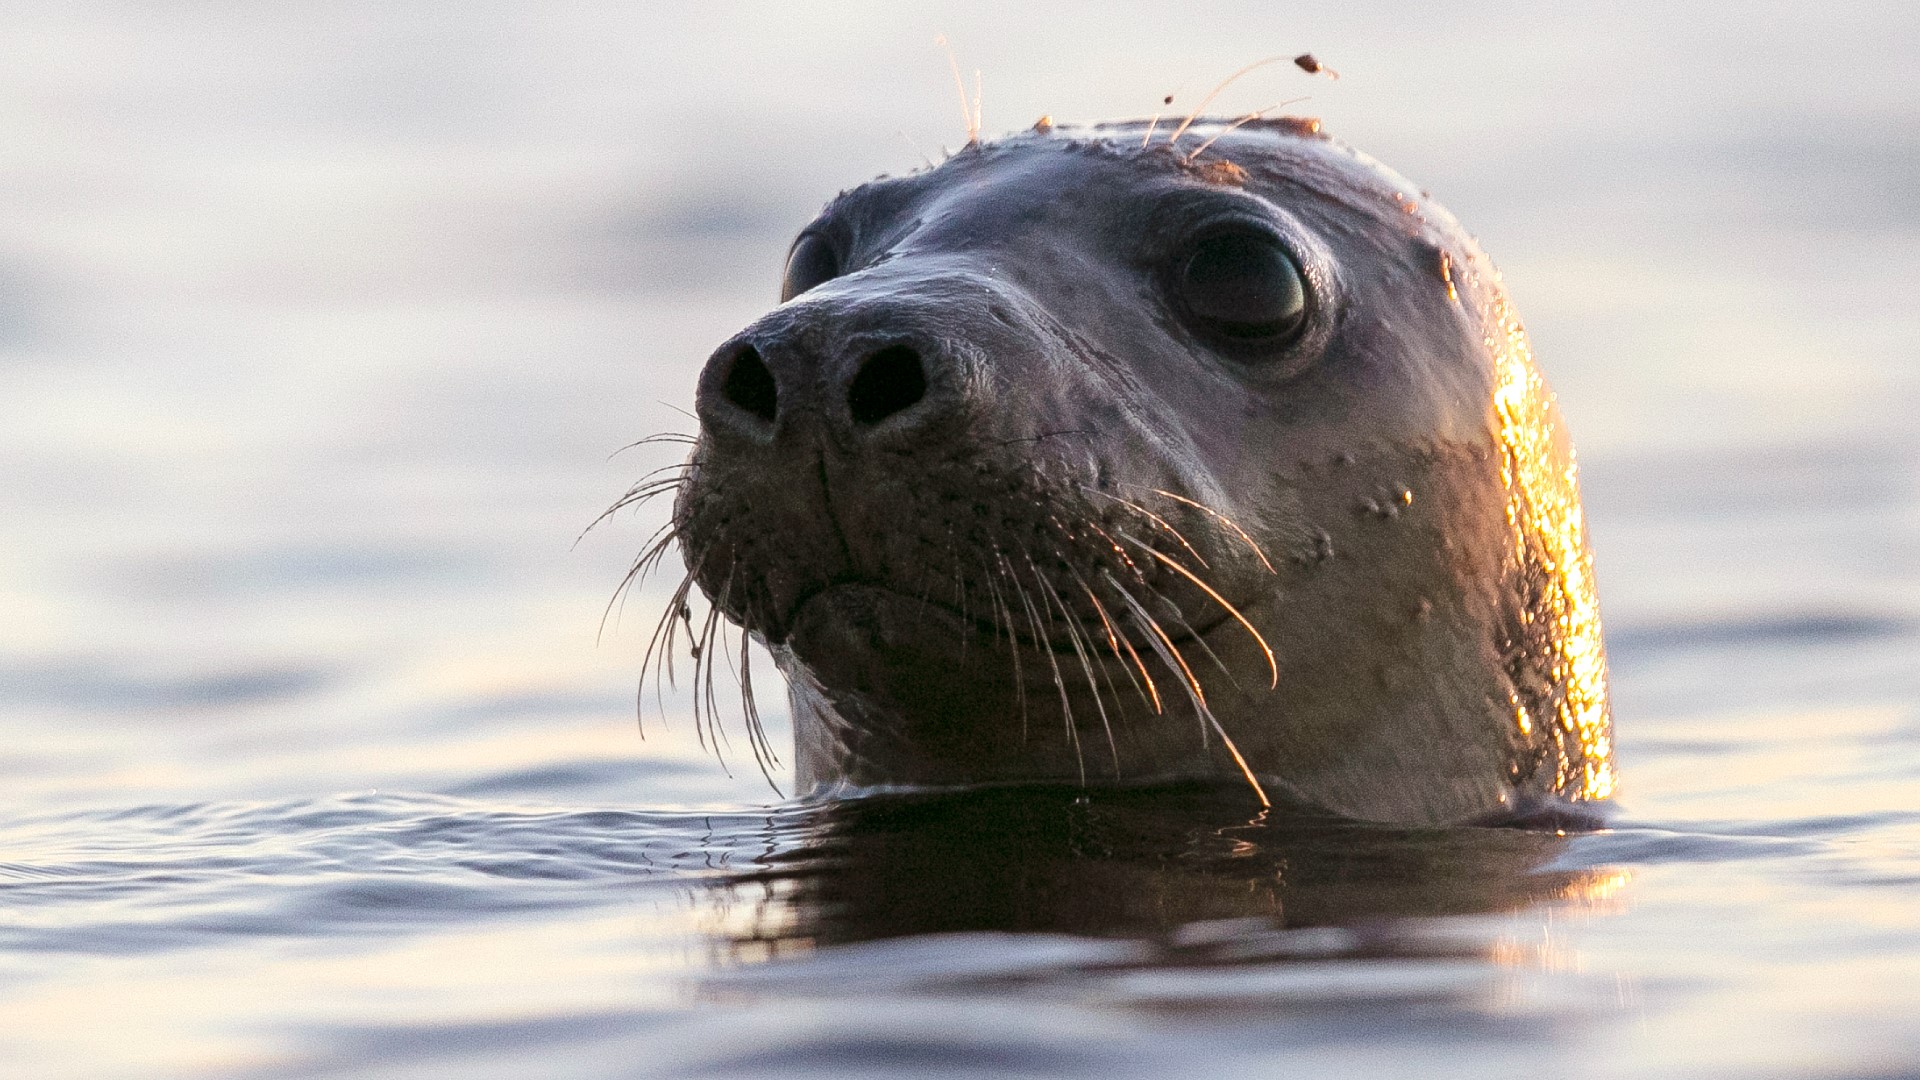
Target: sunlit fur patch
x=1549 y=531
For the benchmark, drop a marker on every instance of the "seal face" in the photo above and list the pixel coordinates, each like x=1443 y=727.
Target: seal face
x=1087 y=457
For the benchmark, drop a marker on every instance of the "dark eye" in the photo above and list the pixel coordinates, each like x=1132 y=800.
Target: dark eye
x=1244 y=286
x=811 y=262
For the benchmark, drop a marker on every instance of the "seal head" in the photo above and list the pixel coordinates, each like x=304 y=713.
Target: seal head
x=1091 y=458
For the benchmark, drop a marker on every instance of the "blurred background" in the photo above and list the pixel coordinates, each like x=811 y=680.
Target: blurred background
x=320 y=323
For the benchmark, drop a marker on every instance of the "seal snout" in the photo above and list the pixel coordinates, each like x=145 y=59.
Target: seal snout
x=842 y=438
x=786 y=381
x=891 y=381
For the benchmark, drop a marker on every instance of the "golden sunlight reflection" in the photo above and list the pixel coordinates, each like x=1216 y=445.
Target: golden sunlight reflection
x=752 y=922
x=1543 y=509
x=1598 y=891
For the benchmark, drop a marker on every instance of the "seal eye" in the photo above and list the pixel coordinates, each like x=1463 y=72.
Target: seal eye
x=1244 y=286
x=811 y=262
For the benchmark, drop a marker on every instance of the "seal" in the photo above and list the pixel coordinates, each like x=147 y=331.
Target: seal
x=1123 y=453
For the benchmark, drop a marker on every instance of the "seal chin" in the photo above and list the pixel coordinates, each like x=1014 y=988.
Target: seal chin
x=859 y=634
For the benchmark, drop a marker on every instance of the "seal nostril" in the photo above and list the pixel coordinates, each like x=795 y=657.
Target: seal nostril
x=750 y=385
x=890 y=381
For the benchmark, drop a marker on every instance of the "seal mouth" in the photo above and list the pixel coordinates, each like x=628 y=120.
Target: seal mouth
x=989 y=629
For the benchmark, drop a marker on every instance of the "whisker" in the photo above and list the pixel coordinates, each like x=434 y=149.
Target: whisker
x=1163 y=645
x=663 y=538
x=1079 y=648
x=1273 y=666
x=640 y=692
x=967 y=626
x=642 y=491
x=662 y=640
x=1224 y=520
x=650 y=475
x=1160 y=641
x=1013 y=642
x=1189 y=634
x=926 y=593
x=979 y=114
x=763 y=752
x=1119 y=551
x=1115 y=640
x=703 y=681
x=610 y=511
x=959 y=84
x=677 y=612
x=1044 y=644
x=662 y=437
x=995 y=606
x=650 y=556
x=1153 y=517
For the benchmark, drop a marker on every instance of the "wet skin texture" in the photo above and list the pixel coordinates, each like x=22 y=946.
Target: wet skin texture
x=1011 y=490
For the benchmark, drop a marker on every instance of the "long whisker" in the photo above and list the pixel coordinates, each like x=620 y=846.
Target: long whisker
x=636 y=574
x=1074 y=636
x=1119 y=551
x=960 y=596
x=1093 y=651
x=1189 y=634
x=1151 y=125
x=1164 y=646
x=1115 y=640
x=1157 y=638
x=662 y=437
x=642 y=491
x=1155 y=122
x=703 y=679
x=1273 y=666
x=672 y=466
x=763 y=753
x=1039 y=638
x=677 y=613
x=659 y=644
x=1059 y=683
x=966 y=112
x=1224 y=520
x=640 y=692
x=1150 y=516
x=1005 y=619
x=1240 y=760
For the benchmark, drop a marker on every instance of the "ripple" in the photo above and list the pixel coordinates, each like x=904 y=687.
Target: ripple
x=136 y=879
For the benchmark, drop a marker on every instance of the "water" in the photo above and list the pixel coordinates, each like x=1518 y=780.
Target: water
x=316 y=330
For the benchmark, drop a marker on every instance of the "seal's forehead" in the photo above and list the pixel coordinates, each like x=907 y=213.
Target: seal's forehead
x=1022 y=170
x=1048 y=167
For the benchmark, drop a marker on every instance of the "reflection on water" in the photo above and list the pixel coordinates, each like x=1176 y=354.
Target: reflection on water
x=1121 y=863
